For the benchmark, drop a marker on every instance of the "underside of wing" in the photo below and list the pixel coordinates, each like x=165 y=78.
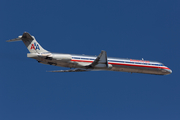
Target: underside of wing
x=70 y=70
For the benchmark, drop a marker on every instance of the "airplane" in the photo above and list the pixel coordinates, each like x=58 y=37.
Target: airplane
x=82 y=63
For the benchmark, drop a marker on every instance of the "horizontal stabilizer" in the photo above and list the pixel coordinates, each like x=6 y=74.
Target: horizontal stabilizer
x=25 y=36
x=71 y=70
x=13 y=40
x=32 y=45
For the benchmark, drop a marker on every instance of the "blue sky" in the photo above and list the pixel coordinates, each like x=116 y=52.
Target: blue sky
x=125 y=29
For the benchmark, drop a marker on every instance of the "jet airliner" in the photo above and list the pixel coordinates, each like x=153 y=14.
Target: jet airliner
x=82 y=63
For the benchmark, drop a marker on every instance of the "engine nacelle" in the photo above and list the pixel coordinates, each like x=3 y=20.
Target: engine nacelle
x=63 y=57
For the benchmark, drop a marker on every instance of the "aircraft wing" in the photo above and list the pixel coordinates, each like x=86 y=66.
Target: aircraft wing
x=100 y=60
x=70 y=70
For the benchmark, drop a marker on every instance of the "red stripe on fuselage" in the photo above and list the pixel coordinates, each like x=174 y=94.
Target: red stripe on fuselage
x=82 y=61
x=124 y=64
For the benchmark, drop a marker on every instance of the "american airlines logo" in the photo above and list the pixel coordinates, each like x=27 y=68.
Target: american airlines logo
x=35 y=46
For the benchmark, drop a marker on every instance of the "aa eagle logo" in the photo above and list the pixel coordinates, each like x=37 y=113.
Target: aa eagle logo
x=35 y=46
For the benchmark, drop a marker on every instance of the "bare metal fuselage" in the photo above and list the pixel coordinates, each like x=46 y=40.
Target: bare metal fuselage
x=114 y=64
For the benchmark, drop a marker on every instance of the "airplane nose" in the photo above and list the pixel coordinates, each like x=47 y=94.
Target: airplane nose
x=169 y=71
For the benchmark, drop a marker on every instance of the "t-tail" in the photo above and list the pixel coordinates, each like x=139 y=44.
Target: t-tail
x=32 y=45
